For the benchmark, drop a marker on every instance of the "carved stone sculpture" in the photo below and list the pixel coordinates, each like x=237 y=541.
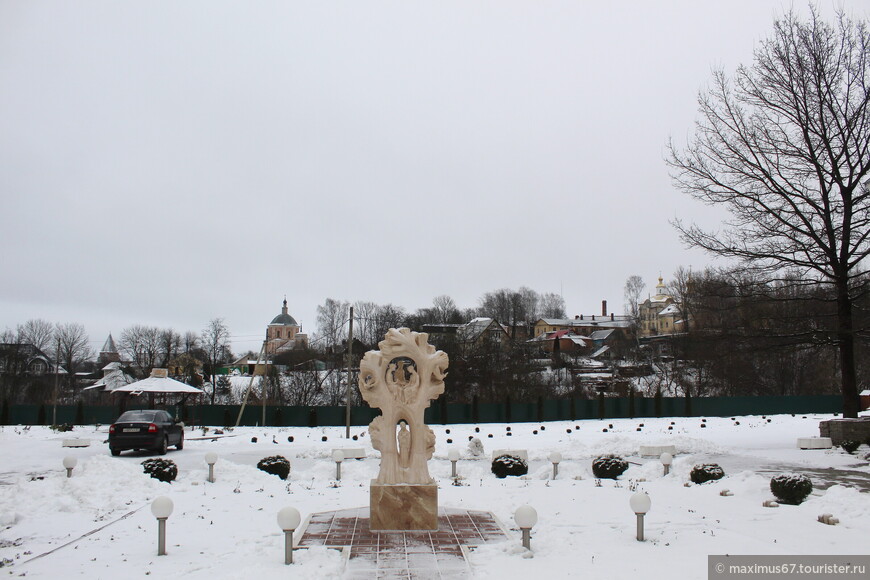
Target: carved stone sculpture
x=401 y=380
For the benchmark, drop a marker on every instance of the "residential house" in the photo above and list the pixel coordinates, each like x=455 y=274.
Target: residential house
x=482 y=332
x=21 y=358
x=585 y=325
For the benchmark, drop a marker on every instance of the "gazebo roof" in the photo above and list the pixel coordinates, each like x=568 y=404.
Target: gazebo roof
x=158 y=382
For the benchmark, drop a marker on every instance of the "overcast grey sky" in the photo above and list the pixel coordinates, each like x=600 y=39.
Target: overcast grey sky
x=169 y=162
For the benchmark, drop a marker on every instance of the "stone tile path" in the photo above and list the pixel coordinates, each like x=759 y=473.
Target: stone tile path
x=408 y=555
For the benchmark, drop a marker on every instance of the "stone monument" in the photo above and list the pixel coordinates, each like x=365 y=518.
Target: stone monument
x=401 y=379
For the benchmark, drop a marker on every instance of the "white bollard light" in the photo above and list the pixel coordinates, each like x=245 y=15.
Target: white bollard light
x=69 y=462
x=453 y=456
x=526 y=517
x=288 y=520
x=640 y=504
x=338 y=457
x=211 y=459
x=667 y=459
x=555 y=459
x=162 y=509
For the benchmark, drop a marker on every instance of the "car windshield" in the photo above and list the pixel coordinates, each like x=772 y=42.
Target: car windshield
x=137 y=416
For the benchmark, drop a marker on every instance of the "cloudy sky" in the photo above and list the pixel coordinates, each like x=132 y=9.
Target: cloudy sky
x=170 y=162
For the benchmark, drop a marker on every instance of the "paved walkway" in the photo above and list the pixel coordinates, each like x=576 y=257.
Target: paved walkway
x=432 y=555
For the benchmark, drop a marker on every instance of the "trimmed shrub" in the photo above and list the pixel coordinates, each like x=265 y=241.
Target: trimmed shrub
x=850 y=446
x=475 y=447
x=161 y=469
x=505 y=465
x=791 y=488
x=705 y=472
x=609 y=466
x=276 y=465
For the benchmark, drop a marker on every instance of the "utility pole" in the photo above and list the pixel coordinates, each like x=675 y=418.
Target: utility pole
x=251 y=384
x=349 y=374
x=56 y=372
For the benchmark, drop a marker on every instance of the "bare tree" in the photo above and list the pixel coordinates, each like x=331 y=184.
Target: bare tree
x=190 y=342
x=332 y=322
x=142 y=344
x=388 y=316
x=634 y=287
x=364 y=322
x=530 y=304
x=444 y=310
x=37 y=332
x=552 y=305
x=215 y=343
x=72 y=348
x=170 y=346
x=784 y=146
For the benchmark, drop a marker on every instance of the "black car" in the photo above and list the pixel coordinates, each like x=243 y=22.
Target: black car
x=150 y=429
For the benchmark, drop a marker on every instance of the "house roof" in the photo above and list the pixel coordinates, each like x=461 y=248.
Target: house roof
x=600 y=351
x=620 y=321
x=475 y=328
x=112 y=380
x=109 y=345
x=602 y=334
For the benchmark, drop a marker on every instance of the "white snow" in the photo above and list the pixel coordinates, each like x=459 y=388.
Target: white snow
x=98 y=524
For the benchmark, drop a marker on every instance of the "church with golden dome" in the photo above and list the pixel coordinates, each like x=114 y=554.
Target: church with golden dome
x=284 y=333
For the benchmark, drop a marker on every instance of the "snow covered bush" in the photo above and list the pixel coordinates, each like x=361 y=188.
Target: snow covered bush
x=609 y=466
x=475 y=447
x=161 y=469
x=276 y=465
x=850 y=446
x=791 y=488
x=62 y=428
x=505 y=465
x=705 y=472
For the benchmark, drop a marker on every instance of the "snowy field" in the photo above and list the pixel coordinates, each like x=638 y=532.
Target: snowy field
x=98 y=524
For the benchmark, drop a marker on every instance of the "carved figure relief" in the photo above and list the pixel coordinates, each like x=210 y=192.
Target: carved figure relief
x=401 y=379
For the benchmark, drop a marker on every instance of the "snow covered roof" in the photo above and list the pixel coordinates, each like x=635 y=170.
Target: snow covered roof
x=112 y=366
x=112 y=380
x=158 y=382
x=587 y=321
x=602 y=334
x=474 y=329
x=600 y=351
x=670 y=309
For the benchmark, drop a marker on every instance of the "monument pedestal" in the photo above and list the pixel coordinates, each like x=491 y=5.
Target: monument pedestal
x=403 y=506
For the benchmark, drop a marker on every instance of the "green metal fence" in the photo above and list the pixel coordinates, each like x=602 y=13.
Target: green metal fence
x=507 y=412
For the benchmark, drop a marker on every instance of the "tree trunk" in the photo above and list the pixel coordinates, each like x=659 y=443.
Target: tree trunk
x=846 y=343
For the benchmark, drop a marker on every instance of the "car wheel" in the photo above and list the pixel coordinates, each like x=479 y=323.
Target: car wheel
x=115 y=452
x=180 y=442
x=164 y=446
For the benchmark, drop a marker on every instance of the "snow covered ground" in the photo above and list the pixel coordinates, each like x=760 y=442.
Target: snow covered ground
x=98 y=524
